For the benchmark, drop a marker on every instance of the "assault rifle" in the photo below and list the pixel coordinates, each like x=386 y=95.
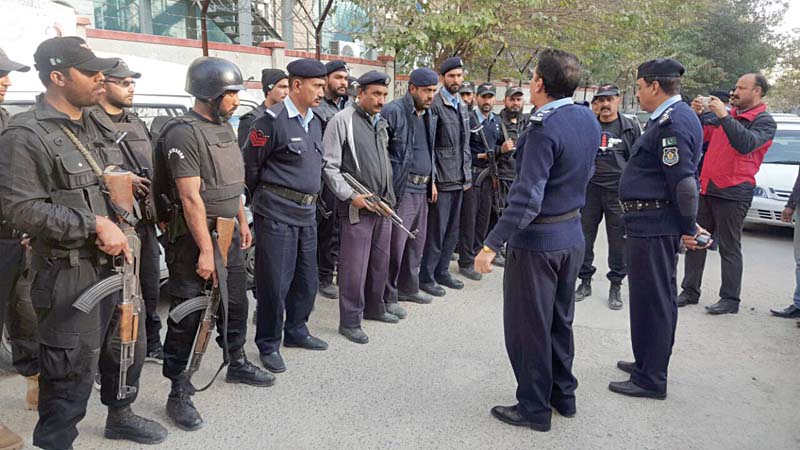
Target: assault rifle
x=379 y=206
x=492 y=171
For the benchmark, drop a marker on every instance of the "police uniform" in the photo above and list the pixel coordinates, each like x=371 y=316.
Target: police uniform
x=194 y=146
x=269 y=78
x=658 y=191
x=283 y=158
x=545 y=247
x=51 y=193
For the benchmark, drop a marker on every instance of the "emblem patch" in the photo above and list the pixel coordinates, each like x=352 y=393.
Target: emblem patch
x=175 y=151
x=669 y=142
x=670 y=157
x=257 y=138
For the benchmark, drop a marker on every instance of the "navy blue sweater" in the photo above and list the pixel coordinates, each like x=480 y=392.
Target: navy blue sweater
x=555 y=160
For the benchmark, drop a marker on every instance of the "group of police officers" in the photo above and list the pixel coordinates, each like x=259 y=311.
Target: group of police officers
x=379 y=195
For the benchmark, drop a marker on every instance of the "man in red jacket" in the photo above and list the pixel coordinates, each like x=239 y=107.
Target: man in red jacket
x=737 y=143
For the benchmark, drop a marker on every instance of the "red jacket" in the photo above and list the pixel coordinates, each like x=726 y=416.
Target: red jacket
x=736 y=148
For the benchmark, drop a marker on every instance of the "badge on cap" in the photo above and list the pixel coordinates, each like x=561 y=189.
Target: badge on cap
x=670 y=157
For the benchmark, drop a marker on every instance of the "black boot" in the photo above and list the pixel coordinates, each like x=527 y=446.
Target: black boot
x=584 y=290
x=243 y=371
x=123 y=424
x=181 y=409
x=615 y=296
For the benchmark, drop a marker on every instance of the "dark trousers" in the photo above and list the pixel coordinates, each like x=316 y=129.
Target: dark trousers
x=442 y=236
x=652 y=286
x=538 y=308
x=476 y=210
x=73 y=347
x=603 y=202
x=286 y=281
x=365 y=254
x=185 y=284
x=328 y=238
x=149 y=278
x=405 y=255
x=724 y=219
x=16 y=309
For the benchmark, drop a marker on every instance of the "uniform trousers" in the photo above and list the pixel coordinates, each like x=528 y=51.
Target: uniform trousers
x=476 y=211
x=442 y=235
x=149 y=279
x=405 y=255
x=328 y=238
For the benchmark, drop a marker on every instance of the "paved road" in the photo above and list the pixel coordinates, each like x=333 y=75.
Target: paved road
x=428 y=383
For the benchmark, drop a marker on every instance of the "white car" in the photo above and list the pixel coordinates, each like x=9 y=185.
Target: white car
x=775 y=179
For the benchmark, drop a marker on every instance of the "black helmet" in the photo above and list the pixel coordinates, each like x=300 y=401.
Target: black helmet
x=210 y=77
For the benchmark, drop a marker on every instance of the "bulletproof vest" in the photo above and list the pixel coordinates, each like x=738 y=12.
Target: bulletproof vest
x=139 y=143
x=221 y=169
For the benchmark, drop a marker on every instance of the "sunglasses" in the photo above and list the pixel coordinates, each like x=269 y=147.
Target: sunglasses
x=122 y=83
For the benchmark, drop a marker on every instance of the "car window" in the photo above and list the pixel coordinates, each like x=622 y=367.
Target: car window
x=148 y=112
x=785 y=148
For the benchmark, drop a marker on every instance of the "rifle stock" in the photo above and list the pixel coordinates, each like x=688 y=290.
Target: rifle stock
x=379 y=205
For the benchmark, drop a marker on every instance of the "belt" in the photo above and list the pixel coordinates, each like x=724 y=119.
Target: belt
x=559 y=218
x=8 y=232
x=418 y=179
x=643 y=205
x=73 y=256
x=290 y=194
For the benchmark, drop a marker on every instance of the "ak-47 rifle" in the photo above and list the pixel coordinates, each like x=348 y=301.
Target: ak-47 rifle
x=493 y=172
x=378 y=205
x=214 y=297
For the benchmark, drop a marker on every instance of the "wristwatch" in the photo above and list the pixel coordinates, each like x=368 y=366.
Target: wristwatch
x=488 y=249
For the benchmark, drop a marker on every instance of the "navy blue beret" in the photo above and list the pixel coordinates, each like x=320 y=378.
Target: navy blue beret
x=271 y=77
x=662 y=67
x=450 y=64
x=335 y=66
x=373 y=77
x=423 y=77
x=306 y=68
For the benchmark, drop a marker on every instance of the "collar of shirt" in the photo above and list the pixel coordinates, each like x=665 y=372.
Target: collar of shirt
x=292 y=111
x=555 y=104
x=450 y=98
x=481 y=117
x=663 y=107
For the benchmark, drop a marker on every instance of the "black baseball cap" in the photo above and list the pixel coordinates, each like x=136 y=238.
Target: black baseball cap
x=467 y=87
x=514 y=90
x=486 y=89
x=65 y=52
x=7 y=65
x=121 y=70
x=607 y=90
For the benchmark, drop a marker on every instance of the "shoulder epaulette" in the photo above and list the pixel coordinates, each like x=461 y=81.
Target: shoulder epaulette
x=665 y=118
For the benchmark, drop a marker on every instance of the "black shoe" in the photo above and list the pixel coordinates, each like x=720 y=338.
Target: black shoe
x=396 y=310
x=512 y=416
x=433 y=289
x=309 y=343
x=584 y=290
x=630 y=389
x=418 y=297
x=356 y=334
x=470 y=273
x=686 y=298
x=449 y=281
x=240 y=370
x=626 y=366
x=499 y=260
x=123 y=424
x=385 y=318
x=155 y=355
x=615 y=297
x=273 y=362
x=328 y=290
x=565 y=411
x=790 y=312
x=181 y=409
x=723 y=307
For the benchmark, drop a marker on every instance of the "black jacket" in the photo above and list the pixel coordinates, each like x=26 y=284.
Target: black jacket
x=630 y=133
x=453 y=160
x=399 y=114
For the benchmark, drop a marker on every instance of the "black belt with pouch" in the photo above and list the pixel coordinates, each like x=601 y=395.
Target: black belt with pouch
x=290 y=194
x=643 y=205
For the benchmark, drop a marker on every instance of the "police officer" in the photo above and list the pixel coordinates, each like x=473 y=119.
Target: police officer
x=453 y=177
x=411 y=126
x=199 y=170
x=602 y=196
x=545 y=244
x=114 y=112
x=476 y=208
x=467 y=94
x=659 y=196
x=283 y=159
x=275 y=85
x=335 y=100
x=52 y=190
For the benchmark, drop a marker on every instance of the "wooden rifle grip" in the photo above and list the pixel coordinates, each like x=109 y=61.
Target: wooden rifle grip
x=120 y=188
x=203 y=337
x=128 y=326
x=225 y=229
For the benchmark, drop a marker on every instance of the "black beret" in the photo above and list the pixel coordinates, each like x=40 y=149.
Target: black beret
x=373 y=77
x=467 y=87
x=486 y=89
x=423 y=77
x=450 y=63
x=662 y=67
x=335 y=66
x=306 y=68
x=271 y=77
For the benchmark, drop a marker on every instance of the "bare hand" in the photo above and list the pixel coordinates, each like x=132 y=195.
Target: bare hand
x=508 y=146
x=25 y=241
x=205 y=265
x=717 y=107
x=468 y=187
x=111 y=240
x=786 y=215
x=482 y=156
x=690 y=242
x=141 y=186
x=246 y=235
x=360 y=202
x=697 y=105
x=434 y=193
x=483 y=261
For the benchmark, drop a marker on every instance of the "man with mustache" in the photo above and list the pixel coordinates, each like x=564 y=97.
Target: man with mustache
x=283 y=170
x=200 y=173
x=51 y=190
x=602 y=195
